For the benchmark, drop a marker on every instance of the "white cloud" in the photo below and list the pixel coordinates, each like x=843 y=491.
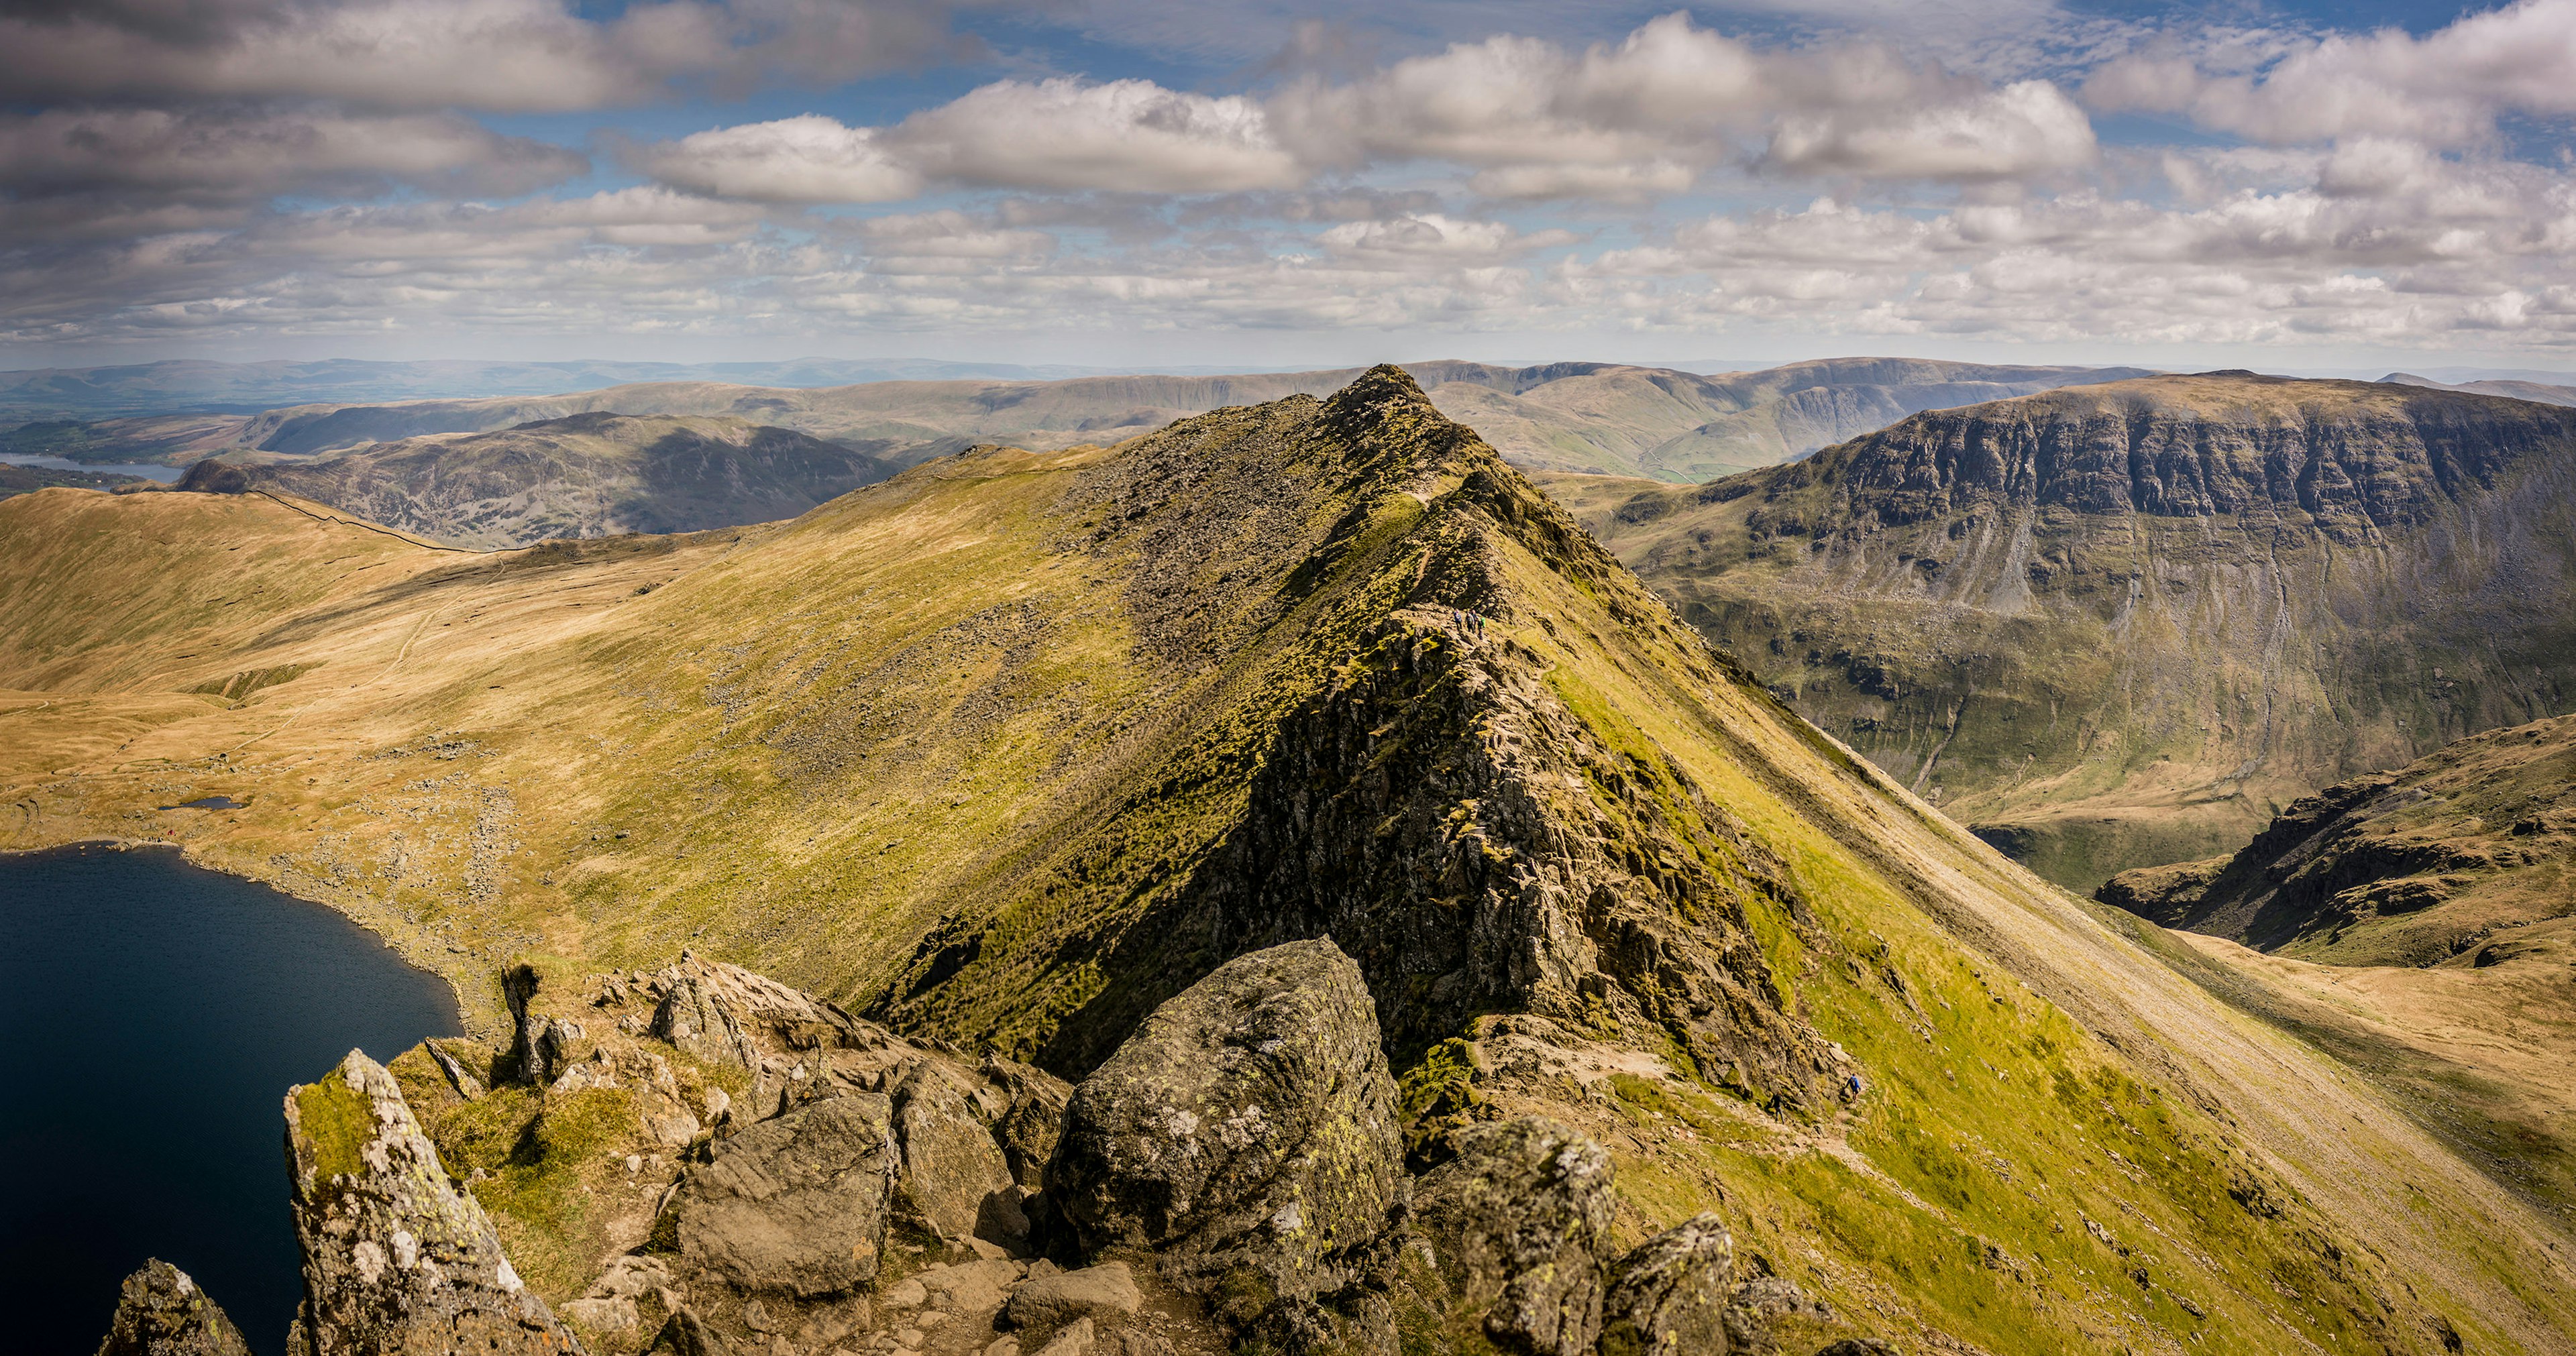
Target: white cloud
x=1123 y=136
x=808 y=159
x=2447 y=88
x=2021 y=130
x=1433 y=237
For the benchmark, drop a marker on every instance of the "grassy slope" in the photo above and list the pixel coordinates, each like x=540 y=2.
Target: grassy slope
x=2418 y=922
x=809 y=741
x=2114 y=689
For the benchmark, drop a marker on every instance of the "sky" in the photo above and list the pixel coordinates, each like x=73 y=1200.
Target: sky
x=1289 y=182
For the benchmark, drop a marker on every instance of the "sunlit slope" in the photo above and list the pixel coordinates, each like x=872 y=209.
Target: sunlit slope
x=2122 y=624
x=1007 y=747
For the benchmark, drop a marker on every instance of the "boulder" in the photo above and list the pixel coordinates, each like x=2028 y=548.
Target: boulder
x=1105 y=1292
x=955 y=1182
x=725 y=1014
x=396 y=1258
x=1029 y=1119
x=1516 y=1223
x=1245 y=1133
x=793 y=1205
x=162 y=1313
x=1668 y=1297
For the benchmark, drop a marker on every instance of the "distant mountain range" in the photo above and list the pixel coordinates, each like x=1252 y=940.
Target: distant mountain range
x=585 y=475
x=2517 y=388
x=247 y=388
x=1599 y=418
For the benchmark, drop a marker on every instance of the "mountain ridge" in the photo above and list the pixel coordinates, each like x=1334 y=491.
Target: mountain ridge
x=1577 y=415
x=1004 y=748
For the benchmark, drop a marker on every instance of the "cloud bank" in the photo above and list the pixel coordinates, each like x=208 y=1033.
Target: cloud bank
x=262 y=168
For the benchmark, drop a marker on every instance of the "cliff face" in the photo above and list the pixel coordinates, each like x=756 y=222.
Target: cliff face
x=1016 y=749
x=584 y=475
x=2121 y=624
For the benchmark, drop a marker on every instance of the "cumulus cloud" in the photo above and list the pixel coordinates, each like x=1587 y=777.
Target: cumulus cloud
x=2447 y=88
x=1354 y=195
x=2020 y=130
x=808 y=159
x=1432 y=236
x=1061 y=135
x=1644 y=117
x=1123 y=136
x=509 y=55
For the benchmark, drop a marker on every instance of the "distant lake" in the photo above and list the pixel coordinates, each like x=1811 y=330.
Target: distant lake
x=155 y=1015
x=167 y=475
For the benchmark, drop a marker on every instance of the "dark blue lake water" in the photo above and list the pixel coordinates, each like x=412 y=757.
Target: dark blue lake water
x=152 y=1016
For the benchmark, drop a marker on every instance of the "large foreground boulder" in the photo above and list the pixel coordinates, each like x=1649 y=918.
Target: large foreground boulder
x=1245 y=1135
x=795 y=1204
x=397 y=1259
x=1669 y=1296
x=1516 y=1222
x=163 y=1313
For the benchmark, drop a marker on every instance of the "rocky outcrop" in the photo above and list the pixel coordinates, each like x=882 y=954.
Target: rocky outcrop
x=1516 y=1223
x=161 y=1312
x=1669 y=1296
x=396 y=1258
x=795 y=1204
x=1244 y=1137
x=1447 y=820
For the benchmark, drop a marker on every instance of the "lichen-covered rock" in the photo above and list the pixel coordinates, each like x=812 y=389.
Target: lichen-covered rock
x=725 y=1014
x=1246 y=1133
x=396 y=1258
x=1516 y=1222
x=796 y=1204
x=163 y=1313
x=1668 y=1296
x=955 y=1182
x=1030 y=1118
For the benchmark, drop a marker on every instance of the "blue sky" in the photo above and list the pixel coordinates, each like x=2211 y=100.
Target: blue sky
x=1134 y=182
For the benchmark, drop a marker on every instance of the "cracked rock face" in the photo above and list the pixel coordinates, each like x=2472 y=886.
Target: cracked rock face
x=397 y=1259
x=1246 y=1132
x=795 y=1204
x=163 y=1313
x=1516 y=1223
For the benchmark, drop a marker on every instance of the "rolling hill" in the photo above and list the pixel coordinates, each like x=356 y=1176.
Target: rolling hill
x=584 y=475
x=2123 y=624
x=1599 y=417
x=2545 y=393
x=2424 y=920
x=1010 y=748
